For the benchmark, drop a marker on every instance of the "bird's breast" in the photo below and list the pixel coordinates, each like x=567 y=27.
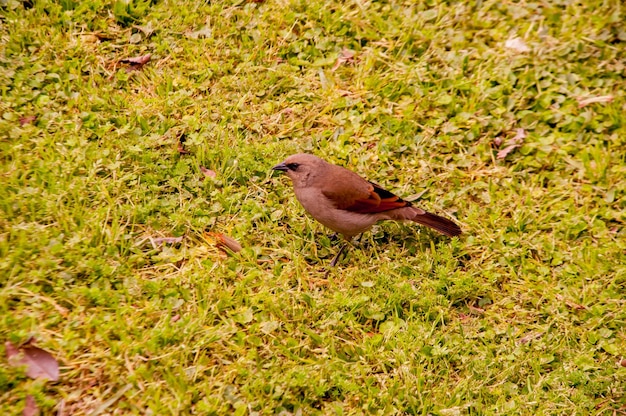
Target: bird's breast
x=323 y=210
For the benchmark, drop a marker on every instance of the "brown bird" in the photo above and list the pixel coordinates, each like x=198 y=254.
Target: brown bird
x=348 y=204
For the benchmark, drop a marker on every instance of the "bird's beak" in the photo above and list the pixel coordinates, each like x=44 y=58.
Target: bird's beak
x=281 y=166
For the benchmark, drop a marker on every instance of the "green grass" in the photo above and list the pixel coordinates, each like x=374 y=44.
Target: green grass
x=524 y=314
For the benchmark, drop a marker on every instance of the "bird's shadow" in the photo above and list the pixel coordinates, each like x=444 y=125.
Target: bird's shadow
x=379 y=238
x=402 y=236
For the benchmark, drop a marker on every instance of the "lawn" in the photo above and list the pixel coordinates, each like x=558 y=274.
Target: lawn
x=124 y=174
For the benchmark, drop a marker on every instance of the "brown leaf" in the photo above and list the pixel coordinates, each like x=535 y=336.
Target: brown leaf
x=208 y=172
x=224 y=241
x=583 y=102
x=137 y=62
x=623 y=362
x=182 y=150
x=514 y=143
x=39 y=363
x=11 y=350
x=27 y=120
x=30 y=408
x=346 y=55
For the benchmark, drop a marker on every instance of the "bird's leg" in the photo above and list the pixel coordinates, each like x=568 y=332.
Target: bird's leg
x=341 y=250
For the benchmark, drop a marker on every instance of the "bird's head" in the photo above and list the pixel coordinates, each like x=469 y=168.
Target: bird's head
x=301 y=168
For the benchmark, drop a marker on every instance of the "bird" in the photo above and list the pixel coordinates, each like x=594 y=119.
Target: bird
x=348 y=204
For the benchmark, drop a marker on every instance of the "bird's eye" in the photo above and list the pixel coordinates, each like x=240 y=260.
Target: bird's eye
x=292 y=166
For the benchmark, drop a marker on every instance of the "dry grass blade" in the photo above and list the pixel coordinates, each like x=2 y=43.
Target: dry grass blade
x=583 y=102
x=104 y=406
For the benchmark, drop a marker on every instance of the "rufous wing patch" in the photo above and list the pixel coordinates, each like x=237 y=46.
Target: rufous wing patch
x=378 y=200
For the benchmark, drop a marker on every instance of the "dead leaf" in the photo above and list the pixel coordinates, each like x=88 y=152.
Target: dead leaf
x=623 y=362
x=27 y=120
x=570 y=304
x=39 y=363
x=182 y=150
x=208 y=172
x=530 y=337
x=30 y=408
x=504 y=152
x=137 y=62
x=463 y=317
x=583 y=102
x=165 y=240
x=224 y=241
x=517 y=44
x=512 y=144
x=61 y=408
x=346 y=55
x=520 y=135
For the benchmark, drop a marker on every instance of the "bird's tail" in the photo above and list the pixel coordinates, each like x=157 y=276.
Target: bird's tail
x=441 y=224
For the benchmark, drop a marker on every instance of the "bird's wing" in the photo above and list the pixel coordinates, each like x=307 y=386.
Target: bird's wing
x=367 y=199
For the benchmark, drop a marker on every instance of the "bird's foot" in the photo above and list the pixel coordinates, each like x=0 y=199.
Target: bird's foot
x=334 y=261
x=333 y=237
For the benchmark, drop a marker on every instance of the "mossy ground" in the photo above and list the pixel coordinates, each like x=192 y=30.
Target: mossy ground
x=524 y=314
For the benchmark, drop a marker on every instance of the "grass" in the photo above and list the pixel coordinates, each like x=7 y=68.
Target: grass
x=523 y=315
